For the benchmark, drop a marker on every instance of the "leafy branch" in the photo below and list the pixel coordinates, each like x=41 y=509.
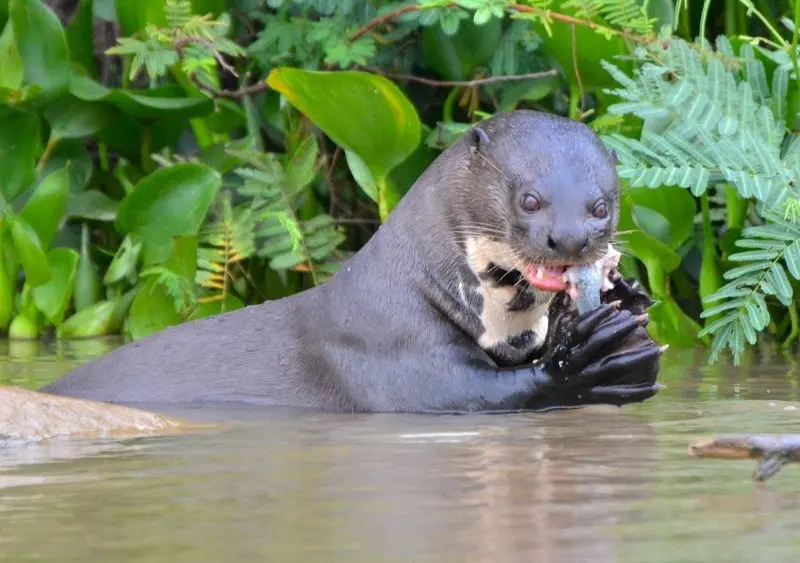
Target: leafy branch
x=712 y=117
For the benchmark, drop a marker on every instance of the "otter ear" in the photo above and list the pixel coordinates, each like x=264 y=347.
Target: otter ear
x=476 y=139
x=614 y=156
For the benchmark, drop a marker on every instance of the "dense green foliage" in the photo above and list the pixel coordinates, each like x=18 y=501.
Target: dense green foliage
x=163 y=161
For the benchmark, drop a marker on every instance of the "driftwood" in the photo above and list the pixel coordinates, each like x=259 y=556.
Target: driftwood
x=771 y=452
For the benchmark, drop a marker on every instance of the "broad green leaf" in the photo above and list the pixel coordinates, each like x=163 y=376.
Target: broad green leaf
x=152 y=311
x=53 y=297
x=590 y=48
x=19 y=148
x=30 y=252
x=92 y=204
x=124 y=263
x=135 y=15
x=80 y=37
x=670 y=325
x=362 y=174
x=42 y=44
x=90 y=322
x=73 y=118
x=183 y=256
x=455 y=57
x=11 y=73
x=674 y=204
x=45 y=208
x=170 y=201
x=361 y=112
x=23 y=327
x=88 y=288
x=72 y=151
x=153 y=103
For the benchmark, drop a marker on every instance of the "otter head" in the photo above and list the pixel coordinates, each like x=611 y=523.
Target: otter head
x=550 y=195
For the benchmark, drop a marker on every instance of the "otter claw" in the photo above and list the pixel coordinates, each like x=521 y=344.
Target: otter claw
x=663 y=348
x=642 y=319
x=616 y=303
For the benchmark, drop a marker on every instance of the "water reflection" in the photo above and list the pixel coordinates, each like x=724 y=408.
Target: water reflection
x=595 y=484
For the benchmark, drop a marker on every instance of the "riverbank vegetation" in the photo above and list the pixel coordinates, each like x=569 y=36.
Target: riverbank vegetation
x=163 y=161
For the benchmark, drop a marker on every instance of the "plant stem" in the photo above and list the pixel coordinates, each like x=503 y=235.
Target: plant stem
x=795 y=332
x=794 y=48
x=450 y=101
x=48 y=152
x=704 y=18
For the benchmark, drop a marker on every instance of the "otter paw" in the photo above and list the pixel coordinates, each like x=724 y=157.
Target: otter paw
x=629 y=295
x=602 y=357
x=578 y=338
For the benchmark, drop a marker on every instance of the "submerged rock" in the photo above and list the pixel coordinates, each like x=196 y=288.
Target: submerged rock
x=29 y=416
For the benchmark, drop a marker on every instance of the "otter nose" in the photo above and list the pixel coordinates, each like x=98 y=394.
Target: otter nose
x=568 y=243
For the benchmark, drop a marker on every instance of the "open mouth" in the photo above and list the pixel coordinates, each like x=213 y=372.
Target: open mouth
x=546 y=277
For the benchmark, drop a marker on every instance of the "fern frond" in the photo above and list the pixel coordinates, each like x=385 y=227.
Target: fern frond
x=706 y=120
x=276 y=190
x=773 y=248
x=224 y=242
x=177 y=12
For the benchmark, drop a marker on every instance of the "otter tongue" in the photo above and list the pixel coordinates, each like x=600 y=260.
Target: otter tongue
x=546 y=278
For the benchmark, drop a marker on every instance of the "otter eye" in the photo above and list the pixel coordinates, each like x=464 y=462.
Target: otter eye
x=530 y=203
x=600 y=210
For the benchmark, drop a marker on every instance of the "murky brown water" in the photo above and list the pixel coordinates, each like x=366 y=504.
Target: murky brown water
x=594 y=484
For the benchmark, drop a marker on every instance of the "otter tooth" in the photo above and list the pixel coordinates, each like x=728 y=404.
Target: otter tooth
x=539 y=273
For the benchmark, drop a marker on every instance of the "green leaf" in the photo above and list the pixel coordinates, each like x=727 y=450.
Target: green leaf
x=74 y=153
x=7 y=287
x=362 y=175
x=153 y=103
x=152 y=311
x=92 y=204
x=11 y=72
x=170 y=201
x=124 y=263
x=73 y=118
x=675 y=204
x=670 y=325
x=361 y=112
x=183 y=256
x=90 y=322
x=455 y=57
x=590 y=48
x=80 y=37
x=45 y=208
x=88 y=288
x=19 y=147
x=23 y=327
x=53 y=297
x=42 y=44
x=30 y=252
x=135 y=15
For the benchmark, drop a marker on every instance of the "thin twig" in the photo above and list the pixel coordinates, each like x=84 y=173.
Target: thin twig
x=466 y=83
x=182 y=42
x=577 y=70
x=577 y=21
x=385 y=18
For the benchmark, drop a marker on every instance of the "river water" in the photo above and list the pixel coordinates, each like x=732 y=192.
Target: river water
x=597 y=484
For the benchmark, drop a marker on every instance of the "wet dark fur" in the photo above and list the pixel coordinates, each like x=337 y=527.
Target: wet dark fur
x=396 y=329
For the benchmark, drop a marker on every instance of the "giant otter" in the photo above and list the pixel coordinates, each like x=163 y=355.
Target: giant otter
x=444 y=309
